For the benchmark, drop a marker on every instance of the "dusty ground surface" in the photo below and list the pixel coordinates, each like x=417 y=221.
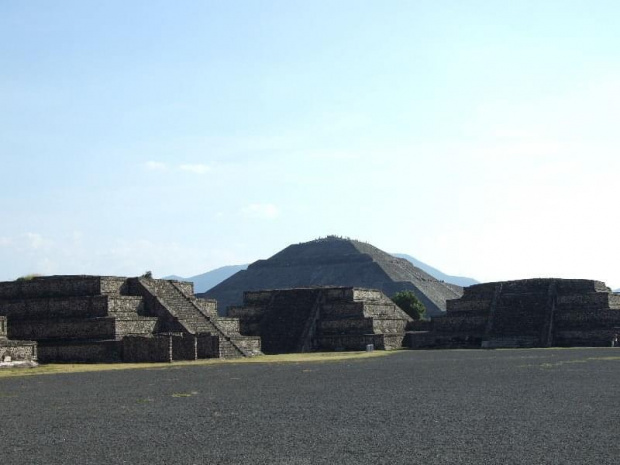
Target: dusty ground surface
x=428 y=407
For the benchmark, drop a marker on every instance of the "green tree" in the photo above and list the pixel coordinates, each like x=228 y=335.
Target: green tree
x=410 y=304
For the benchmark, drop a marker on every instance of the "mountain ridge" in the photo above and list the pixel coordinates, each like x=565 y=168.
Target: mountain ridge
x=209 y=279
x=462 y=281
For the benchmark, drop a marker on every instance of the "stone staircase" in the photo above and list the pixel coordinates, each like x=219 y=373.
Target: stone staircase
x=194 y=320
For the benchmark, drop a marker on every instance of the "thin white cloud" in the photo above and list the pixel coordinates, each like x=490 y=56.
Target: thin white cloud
x=155 y=166
x=5 y=241
x=263 y=211
x=36 y=241
x=332 y=155
x=197 y=168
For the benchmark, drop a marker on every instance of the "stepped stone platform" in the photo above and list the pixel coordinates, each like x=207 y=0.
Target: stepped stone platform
x=15 y=353
x=525 y=313
x=106 y=318
x=334 y=261
x=321 y=319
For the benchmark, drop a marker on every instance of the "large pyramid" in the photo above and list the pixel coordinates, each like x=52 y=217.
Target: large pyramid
x=334 y=261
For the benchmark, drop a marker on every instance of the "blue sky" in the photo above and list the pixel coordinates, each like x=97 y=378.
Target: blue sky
x=477 y=136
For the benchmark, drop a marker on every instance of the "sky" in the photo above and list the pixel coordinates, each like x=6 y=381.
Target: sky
x=179 y=136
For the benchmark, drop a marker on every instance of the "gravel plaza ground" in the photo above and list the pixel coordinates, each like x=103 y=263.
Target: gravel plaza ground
x=530 y=406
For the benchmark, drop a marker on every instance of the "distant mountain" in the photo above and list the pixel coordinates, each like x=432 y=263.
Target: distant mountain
x=205 y=281
x=617 y=291
x=435 y=273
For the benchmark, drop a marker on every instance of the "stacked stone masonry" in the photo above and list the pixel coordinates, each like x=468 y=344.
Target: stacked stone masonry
x=314 y=319
x=15 y=353
x=99 y=318
x=335 y=262
x=526 y=313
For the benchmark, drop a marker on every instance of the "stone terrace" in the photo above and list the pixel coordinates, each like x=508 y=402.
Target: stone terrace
x=99 y=318
x=526 y=313
x=335 y=262
x=330 y=318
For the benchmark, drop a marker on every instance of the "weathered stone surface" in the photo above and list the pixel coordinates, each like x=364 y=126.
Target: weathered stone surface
x=101 y=318
x=15 y=353
x=336 y=318
x=526 y=313
x=335 y=262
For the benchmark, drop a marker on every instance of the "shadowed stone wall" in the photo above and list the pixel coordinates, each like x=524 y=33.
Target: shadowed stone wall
x=331 y=318
x=526 y=313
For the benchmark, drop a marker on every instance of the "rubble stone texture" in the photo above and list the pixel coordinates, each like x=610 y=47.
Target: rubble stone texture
x=321 y=319
x=335 y=261
x=15 y=353
x=525 y=313
x=102 y=318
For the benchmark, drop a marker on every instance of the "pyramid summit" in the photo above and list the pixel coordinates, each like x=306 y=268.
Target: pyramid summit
x=335 y=261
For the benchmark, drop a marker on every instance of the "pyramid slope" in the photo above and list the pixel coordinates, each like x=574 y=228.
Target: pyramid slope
x=335 y=262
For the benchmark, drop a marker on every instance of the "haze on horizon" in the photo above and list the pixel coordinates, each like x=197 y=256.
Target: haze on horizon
x=477 y=136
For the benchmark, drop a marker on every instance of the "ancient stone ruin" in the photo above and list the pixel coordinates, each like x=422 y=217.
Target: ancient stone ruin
x=100 y=318
x=335 y=261
x=321 y=319
x=525 y=313
x=15 y=353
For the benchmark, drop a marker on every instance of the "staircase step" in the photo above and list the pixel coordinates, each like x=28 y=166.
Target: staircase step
x=192 y=318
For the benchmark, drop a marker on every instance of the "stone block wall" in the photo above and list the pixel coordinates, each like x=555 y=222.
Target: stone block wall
x=362 y=326
x=531 y=312
x=71 y=329
x=138 y=349
x=71 y=307
x=249 y=318
x=40 y=330
x=348 y=294
x=229 y=324
x=136 y=326
x=62 y=286
x=591 y=301
x=587 y=319
x=341 y=342
x=330 y=318
x=187 y=287
x=81 y=351
x=460 y=323
x=249 y=343
x=478 y=304
x=18 y=351
x=257 y=298
x=285 y=318
x=184 y=347
x=208 y=346
x=208 y=306
x=591 y=338
x=88 y=318
x=169 y=348
x=15 y=353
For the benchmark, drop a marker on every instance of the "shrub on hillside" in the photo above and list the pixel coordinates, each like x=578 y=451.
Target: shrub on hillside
x=410 y=304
